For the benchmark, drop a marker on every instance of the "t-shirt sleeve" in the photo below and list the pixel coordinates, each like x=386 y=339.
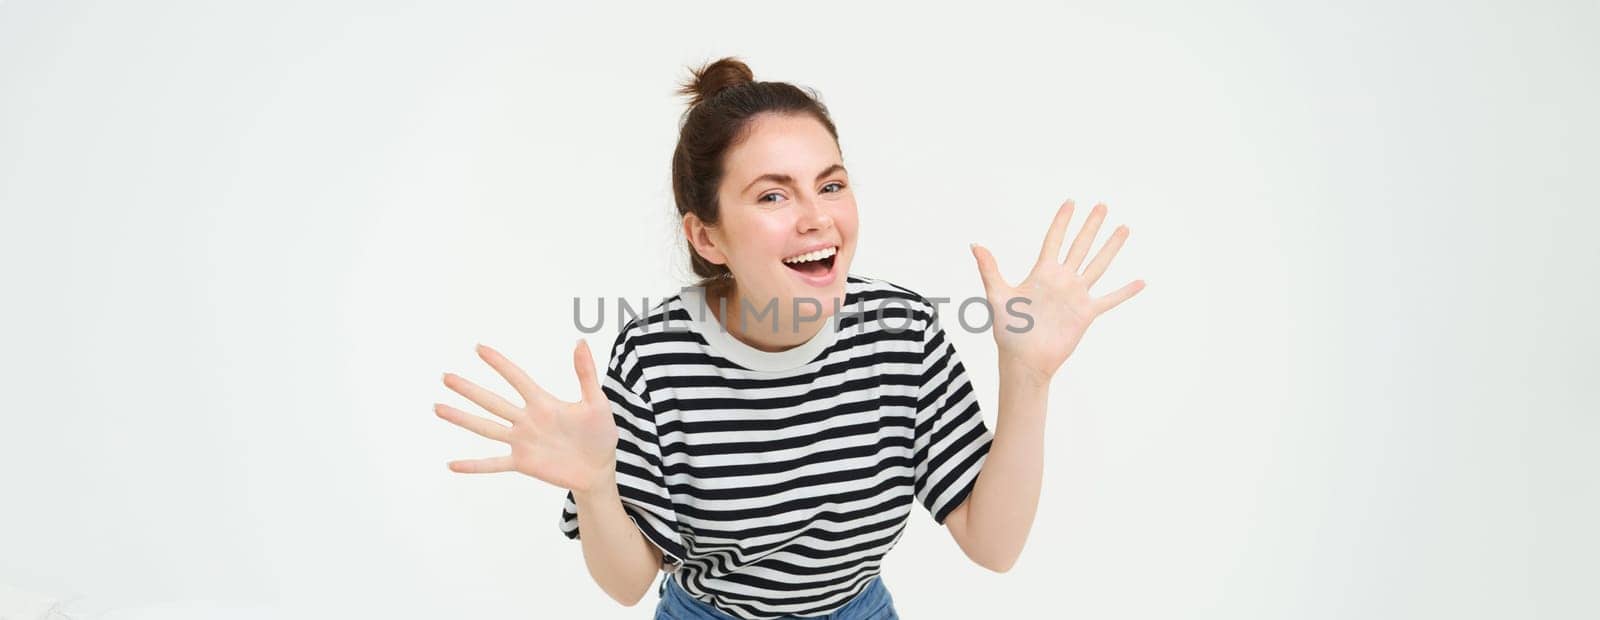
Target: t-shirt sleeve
x=640 y=482
x=951 y=439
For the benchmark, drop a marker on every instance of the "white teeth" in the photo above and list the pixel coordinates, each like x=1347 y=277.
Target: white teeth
x=811 y=256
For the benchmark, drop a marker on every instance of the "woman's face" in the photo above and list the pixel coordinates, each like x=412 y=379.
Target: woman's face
x=785 y=196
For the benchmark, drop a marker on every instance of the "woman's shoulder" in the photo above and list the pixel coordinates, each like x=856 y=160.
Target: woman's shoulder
x=881 y=297
x=650 y=321
x=864 y=290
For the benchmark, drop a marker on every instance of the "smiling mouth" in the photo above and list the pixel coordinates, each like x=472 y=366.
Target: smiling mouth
x=815 y=267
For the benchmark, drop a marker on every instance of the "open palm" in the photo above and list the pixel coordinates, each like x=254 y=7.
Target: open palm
x=1055 y=295
x=568 y=444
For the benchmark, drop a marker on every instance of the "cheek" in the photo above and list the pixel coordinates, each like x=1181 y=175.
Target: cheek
x=846 y=219
x=758 y=239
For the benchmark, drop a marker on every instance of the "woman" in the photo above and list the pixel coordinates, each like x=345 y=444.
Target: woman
x=763 y=435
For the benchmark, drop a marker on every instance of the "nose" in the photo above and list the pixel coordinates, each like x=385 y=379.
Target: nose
x=814 y=216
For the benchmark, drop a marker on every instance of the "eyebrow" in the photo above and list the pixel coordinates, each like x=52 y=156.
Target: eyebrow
x=788 y=180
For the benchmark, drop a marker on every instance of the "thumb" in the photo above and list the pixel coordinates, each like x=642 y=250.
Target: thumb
x=583 y=363
x=987 y=269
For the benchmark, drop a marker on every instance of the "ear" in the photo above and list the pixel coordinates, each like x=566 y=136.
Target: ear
x=703 y=239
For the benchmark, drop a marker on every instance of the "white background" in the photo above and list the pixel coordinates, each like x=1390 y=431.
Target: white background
x=241 y=243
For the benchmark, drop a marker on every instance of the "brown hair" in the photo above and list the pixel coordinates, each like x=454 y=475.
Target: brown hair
x=724 y=96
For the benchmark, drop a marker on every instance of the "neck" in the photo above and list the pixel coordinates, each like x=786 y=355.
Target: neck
x=752 y=322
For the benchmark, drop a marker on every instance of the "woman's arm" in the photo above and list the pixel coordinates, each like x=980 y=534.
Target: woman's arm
x=617 y=554
x=992 y=525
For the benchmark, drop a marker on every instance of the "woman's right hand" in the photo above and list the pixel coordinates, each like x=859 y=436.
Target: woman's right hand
x=568 y=444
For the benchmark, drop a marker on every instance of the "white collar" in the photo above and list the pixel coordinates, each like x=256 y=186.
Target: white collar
x=704 y=322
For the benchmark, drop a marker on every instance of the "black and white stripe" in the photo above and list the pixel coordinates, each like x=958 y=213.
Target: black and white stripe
x=774 y=484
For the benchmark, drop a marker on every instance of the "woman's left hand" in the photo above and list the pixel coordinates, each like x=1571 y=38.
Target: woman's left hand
x=1055 y=296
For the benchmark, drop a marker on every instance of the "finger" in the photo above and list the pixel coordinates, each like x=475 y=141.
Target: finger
x=583 y=362
x=1118 y=296
x=483 y=466
x=484 y=398
x=1102 y=260
x=988 y=270
x=519 y=380
x=1085 y=238
x=484 y=427
x=1051 y=251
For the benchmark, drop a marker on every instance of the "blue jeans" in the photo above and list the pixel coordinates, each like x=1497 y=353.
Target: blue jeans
x=873 y=603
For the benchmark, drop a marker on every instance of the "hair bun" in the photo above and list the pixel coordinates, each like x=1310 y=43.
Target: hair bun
x=715 y=77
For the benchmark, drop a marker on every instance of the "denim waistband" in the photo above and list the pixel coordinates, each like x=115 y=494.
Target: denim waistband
x=872 y=603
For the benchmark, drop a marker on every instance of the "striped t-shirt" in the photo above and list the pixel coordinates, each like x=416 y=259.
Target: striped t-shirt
x=775 y=482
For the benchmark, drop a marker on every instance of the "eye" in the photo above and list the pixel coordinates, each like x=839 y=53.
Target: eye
x=775 y=196
x=837 y=187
